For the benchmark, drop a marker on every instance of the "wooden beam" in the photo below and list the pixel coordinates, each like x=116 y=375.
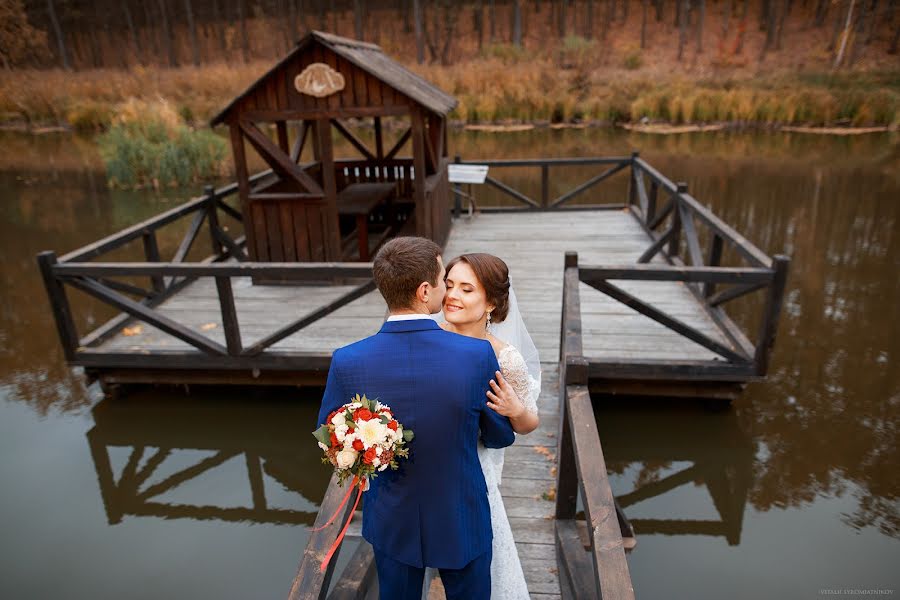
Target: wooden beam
x=299 y=143
x=229 y=315
x=379 y=139
x=588 y=184
x=332 y=233
x=358 y=576
x=310 y=582
x=354 y=141
x=771 y=314
x=690 y=235
x=734 y=292
x=148 y=315
x=293 y=271
x=611 y=574
x=511 y=192
x=279 y=161
x=312 y=317
x=656 y=246
x=672 y=323
x=243 y=181
x=645 y=272
x=59 y=304
x=422 y=212
x=399 y=144
x=281 y=129
x=680 y=370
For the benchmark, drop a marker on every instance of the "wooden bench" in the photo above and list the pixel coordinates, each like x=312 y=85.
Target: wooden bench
x=360 y=200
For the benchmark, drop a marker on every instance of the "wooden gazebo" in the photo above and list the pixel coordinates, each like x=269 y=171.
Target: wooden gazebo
x=325 y=209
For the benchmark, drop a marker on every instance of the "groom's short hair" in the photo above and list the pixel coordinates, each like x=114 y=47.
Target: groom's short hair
x=402 y=265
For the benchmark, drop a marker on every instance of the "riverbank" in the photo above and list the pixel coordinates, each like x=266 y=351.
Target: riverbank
x=495 y=90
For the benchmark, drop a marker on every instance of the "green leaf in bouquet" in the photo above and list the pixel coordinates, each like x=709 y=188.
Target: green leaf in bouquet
x=385 y=419
x=408 y=435
x=323 y=435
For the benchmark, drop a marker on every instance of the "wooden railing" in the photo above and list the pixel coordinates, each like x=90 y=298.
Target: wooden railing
x=671 y=217
x=601 y=571
x=609 y=166
x=80 y=270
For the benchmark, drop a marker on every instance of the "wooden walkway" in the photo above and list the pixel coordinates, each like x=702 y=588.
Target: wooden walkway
x=532 y=244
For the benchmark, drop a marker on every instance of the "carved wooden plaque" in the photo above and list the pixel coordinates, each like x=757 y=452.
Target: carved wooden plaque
x=319 y=80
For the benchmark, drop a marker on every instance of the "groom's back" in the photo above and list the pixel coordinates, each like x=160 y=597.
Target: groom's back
x=433 y=511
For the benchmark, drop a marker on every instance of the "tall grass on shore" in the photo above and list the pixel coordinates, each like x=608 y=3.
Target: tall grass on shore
x=505 y=84
x=148 y=144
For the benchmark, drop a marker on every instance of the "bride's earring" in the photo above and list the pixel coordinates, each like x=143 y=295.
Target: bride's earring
x=488 y=324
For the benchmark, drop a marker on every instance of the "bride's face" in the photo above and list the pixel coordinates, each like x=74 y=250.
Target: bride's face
x=465 y=301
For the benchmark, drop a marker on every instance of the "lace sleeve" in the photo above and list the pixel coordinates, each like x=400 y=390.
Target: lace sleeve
x=514 y=370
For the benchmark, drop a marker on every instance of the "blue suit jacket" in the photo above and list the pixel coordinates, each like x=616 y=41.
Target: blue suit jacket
x=433 y=511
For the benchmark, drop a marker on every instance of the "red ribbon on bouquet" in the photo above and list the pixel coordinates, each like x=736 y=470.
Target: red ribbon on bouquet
x=357 y=483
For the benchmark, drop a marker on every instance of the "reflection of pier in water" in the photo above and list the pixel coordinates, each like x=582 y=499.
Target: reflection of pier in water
x=265 y=433
x=720 y=453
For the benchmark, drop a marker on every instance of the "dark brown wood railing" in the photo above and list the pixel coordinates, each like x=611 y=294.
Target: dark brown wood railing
x=611 y=166
x=601 y=571
x=80 y=270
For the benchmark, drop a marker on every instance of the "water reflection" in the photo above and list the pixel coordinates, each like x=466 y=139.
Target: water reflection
x=824 y=424
x=172 y=449
x=653 y=450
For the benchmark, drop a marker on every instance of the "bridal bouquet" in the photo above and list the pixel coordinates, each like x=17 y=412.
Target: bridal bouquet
x=360 y=439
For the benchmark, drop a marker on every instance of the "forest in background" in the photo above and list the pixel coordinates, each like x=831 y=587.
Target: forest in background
x=816 y=62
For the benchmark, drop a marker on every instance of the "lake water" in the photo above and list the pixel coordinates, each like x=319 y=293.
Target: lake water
x=792 y=492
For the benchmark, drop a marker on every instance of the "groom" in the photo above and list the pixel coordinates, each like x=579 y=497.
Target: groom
x=433 y=511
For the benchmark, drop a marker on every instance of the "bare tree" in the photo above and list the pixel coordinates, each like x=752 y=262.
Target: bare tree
x=517 y=24
x=192 y=31
x=645 y=7
x=726 y=18
x=561 y=19
x=659 y=10
x=682 y=24
x=589 y=26
x=840 y=53
x=358 y=18
x=492 y=17
x=478 y=22
x=445 y=17
x=167 y=34
x=218 y=25
x=701 y=16
x=132 y=32
x=245 y=39
x=420 y=40
x=821 y=12
x=60 y=39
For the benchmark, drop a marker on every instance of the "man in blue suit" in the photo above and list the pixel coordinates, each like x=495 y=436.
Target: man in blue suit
x=433 y=511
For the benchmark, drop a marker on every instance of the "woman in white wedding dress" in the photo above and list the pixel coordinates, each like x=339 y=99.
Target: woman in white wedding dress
x=480 y=303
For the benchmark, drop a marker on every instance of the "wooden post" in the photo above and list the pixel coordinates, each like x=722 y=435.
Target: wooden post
x=379 y=140
x=545 y=185
x=243 y=181
x=457 y=191
x=229 y=315
x=326 y=154
x=651 y=201
x=59 y=304
x=676 y=218
x=418 y=138
x=713 y=259
x=281 y=128
x=769 y=325
x=632 y=183
x=212 y=216
x=570 y=354
x=151 y=253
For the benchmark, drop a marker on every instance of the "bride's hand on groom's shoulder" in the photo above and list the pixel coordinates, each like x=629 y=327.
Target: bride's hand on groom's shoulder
x=503 y=399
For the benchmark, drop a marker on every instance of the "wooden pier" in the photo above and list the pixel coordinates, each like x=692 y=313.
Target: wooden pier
x=660 y=329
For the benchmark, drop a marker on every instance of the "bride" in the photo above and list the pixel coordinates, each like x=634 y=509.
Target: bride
x=480 y=303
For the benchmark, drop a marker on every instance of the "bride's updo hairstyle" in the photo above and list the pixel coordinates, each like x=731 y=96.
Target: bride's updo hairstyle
x=493 y=274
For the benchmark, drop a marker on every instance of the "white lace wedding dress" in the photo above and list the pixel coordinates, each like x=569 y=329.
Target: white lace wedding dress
x=507 y=577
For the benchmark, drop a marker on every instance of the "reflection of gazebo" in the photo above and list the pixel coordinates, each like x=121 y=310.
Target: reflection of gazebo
x=323 y=209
